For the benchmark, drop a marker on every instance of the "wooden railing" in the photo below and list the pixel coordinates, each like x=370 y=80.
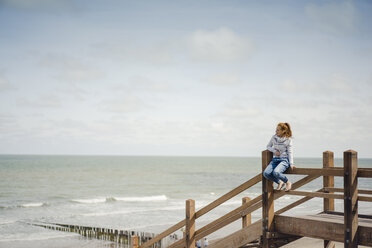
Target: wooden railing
x=350 y=172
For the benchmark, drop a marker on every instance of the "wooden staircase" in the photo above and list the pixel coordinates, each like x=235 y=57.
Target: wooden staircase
x=275 y=229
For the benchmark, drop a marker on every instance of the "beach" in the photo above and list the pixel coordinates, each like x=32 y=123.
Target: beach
x=141 y=194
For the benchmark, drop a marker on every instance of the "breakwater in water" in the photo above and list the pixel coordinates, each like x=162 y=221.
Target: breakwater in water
x=124 y=238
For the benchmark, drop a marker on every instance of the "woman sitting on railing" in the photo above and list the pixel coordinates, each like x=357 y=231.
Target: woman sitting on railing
x=281 y=145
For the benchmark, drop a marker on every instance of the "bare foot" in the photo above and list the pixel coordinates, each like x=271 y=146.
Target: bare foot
x=280 y=185
x=288 y=186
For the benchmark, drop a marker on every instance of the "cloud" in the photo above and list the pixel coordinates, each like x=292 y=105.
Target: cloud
x=333 y=85
x=334 y=17
x=239 y=109
x=5 y=85
x=127 y=103
x=221 y=45
x=44 y=101
x=46 y=5
x=224 y=79
x=71 y=69
x=139 y=83
x=130 y=52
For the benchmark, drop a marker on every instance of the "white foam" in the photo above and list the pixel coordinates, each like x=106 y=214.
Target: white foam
x=7 y=222
x=33 y=205
x=34 y=237
x=126 y=199
x=143 y=199
x=123 y=212
x=90 y=201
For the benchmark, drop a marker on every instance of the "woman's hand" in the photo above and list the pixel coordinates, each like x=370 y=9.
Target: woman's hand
x=293 y=166
x=277 y=153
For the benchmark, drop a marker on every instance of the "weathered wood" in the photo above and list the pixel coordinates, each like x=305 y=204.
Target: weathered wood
x=351 y=199
x=206 y=209
x=246 y=219
x=360 y=191
x=243 y=210
x=295 y=204
x=134 y=242
x=257 y=203
x=179 y=244
x=162 y=235
x=323 y=226
x=240 y=238
x=233 y=215
x=300 y=226
x=365 y=198
x=336 y=171
x=315 y=194
x=256 y=179
x=328 y=181
x=267 y=201
x=190 y=223
x=365 y=172
x=227 y=219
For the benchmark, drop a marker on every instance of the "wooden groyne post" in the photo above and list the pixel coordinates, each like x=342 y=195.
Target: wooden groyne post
x=134 y=242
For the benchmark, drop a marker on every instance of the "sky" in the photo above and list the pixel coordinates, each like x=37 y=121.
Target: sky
x=189 y=78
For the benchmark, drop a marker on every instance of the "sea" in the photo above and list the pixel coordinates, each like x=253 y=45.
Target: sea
x=133 y=193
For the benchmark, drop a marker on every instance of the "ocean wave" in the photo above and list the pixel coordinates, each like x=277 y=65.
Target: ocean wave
x=27 y=205
x=35 y=237
x=126 y=212
x=7 y=222
x=90 y=201
x=125 y=199
x=33 y=205
x=143 y=199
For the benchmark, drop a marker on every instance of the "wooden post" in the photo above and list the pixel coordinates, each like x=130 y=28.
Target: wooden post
x=134 y=242
x=190 y=223
x=328 y=181
x=267 y=201
x=350 y=199
x=247 y=219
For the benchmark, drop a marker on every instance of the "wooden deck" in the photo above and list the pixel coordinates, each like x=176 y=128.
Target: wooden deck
x=323 y=226
x=276 y=229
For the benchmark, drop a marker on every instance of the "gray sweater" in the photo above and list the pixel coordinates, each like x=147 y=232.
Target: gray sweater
x=283 y=145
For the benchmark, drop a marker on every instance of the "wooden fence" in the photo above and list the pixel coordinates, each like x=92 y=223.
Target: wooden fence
x=270 y=231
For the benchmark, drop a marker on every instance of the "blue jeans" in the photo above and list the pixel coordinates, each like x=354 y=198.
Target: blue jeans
x=274 y=171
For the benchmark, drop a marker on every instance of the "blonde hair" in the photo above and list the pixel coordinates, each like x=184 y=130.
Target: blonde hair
x=286 y=128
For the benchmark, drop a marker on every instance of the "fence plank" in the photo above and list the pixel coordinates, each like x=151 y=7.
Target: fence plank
x=246 y=219
x=315 y=194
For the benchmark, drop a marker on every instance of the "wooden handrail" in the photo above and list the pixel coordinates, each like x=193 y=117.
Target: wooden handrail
x=245 y=209
x=162 y=235
x=365 y=198
x=315 y=194
x=296 y=203
x=360 y=191
x=251 y=182
x=256 y=179
x=335 y=171
x=237 y=213
x=319 y=172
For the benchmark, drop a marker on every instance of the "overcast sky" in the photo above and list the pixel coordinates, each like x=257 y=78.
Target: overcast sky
x=184 y=77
